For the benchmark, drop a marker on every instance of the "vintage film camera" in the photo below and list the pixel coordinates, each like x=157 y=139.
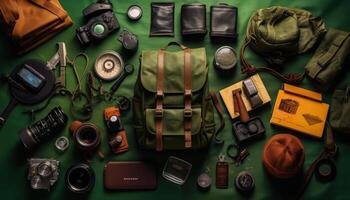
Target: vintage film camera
x=42 y=173
x=101 y=21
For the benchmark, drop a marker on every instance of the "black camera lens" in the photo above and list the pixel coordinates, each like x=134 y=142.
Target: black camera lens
x=80 y=178
x=43 y=129
x=99 y=30
x=88 y=137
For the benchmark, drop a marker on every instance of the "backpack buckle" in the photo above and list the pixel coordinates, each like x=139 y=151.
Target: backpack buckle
x=159 y=113
x=187 y=112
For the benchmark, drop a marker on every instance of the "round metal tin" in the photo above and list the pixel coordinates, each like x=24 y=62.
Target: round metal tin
x=245 y=182
x=225 y=58
x=134 y=12
x=204 y=181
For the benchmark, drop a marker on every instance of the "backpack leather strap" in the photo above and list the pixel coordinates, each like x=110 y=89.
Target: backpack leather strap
x=187 y=98
x=159 y=100
x=247 y=68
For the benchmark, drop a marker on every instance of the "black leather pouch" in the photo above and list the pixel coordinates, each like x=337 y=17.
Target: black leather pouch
x=162 y=19
x=223 y=21
x=193 y=19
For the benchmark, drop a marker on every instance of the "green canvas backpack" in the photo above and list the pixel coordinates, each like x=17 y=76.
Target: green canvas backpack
x=172 y=106
x=279 y=33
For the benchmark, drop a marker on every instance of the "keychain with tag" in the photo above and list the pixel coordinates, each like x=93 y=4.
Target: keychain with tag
x=222 y=172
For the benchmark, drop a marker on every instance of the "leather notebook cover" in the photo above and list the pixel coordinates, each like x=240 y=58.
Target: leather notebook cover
x=129 y=175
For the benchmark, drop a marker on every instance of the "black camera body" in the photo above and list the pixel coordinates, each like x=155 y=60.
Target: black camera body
x=245 y=132
x=101 y=22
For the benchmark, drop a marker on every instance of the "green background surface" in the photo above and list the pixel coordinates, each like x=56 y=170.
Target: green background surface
x=13 y=165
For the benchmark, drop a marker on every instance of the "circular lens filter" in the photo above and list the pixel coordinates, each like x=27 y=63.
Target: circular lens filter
x=109 y=65
x=134 y=12
x=62 y=143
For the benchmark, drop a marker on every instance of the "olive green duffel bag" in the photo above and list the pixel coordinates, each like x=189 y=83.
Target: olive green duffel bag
x=172 y=106
x=329 y=59
x=279 y=33
x=340 y=111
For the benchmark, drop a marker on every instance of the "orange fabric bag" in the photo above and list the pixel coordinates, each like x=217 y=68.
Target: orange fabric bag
x=30 y=23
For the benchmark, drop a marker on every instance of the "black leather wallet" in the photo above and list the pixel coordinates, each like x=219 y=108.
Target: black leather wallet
x=193 y=19
x=162 y=19
x=223 y=21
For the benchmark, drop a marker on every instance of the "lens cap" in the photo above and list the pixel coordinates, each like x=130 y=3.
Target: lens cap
x=245 y=182
x=80 y=178
x=134 y=12
x=225 y=58
x=325 y=170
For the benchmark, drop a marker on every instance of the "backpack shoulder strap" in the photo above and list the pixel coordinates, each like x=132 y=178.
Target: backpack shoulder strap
x=159 y=100
x=187 y=98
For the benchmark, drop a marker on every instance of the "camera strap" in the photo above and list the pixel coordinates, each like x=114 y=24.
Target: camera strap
x=328 y=154
x=83 y=112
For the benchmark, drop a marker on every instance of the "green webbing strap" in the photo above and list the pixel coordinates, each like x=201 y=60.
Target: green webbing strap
x=324 y=59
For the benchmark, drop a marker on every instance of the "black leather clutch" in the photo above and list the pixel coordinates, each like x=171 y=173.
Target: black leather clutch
x=223 y=22
x=162 y=19
x=193 y=19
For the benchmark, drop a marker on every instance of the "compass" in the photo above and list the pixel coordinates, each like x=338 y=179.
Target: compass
x=109 y=65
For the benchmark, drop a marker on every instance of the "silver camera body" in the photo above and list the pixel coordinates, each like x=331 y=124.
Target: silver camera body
x=42 y=173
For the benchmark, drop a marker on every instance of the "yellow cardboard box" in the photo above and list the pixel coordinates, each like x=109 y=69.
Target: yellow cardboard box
x=300 y=110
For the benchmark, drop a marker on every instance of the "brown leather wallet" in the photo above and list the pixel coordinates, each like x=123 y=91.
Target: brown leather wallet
x=129 y=175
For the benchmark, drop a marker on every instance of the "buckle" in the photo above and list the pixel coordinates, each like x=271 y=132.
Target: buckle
x=332 y=150
x=188 y=112
x=159 y=113
x=159 y=95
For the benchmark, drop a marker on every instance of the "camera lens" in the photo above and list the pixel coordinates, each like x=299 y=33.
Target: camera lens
x=80 y=178
x=43 y=129
x=44 y=169
x=99 y=30
x=88 y=137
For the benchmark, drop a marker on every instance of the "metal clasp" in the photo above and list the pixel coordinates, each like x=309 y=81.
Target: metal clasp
x=187 y=112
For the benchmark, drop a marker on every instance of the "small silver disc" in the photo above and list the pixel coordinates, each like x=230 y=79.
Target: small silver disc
x=62 y=143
